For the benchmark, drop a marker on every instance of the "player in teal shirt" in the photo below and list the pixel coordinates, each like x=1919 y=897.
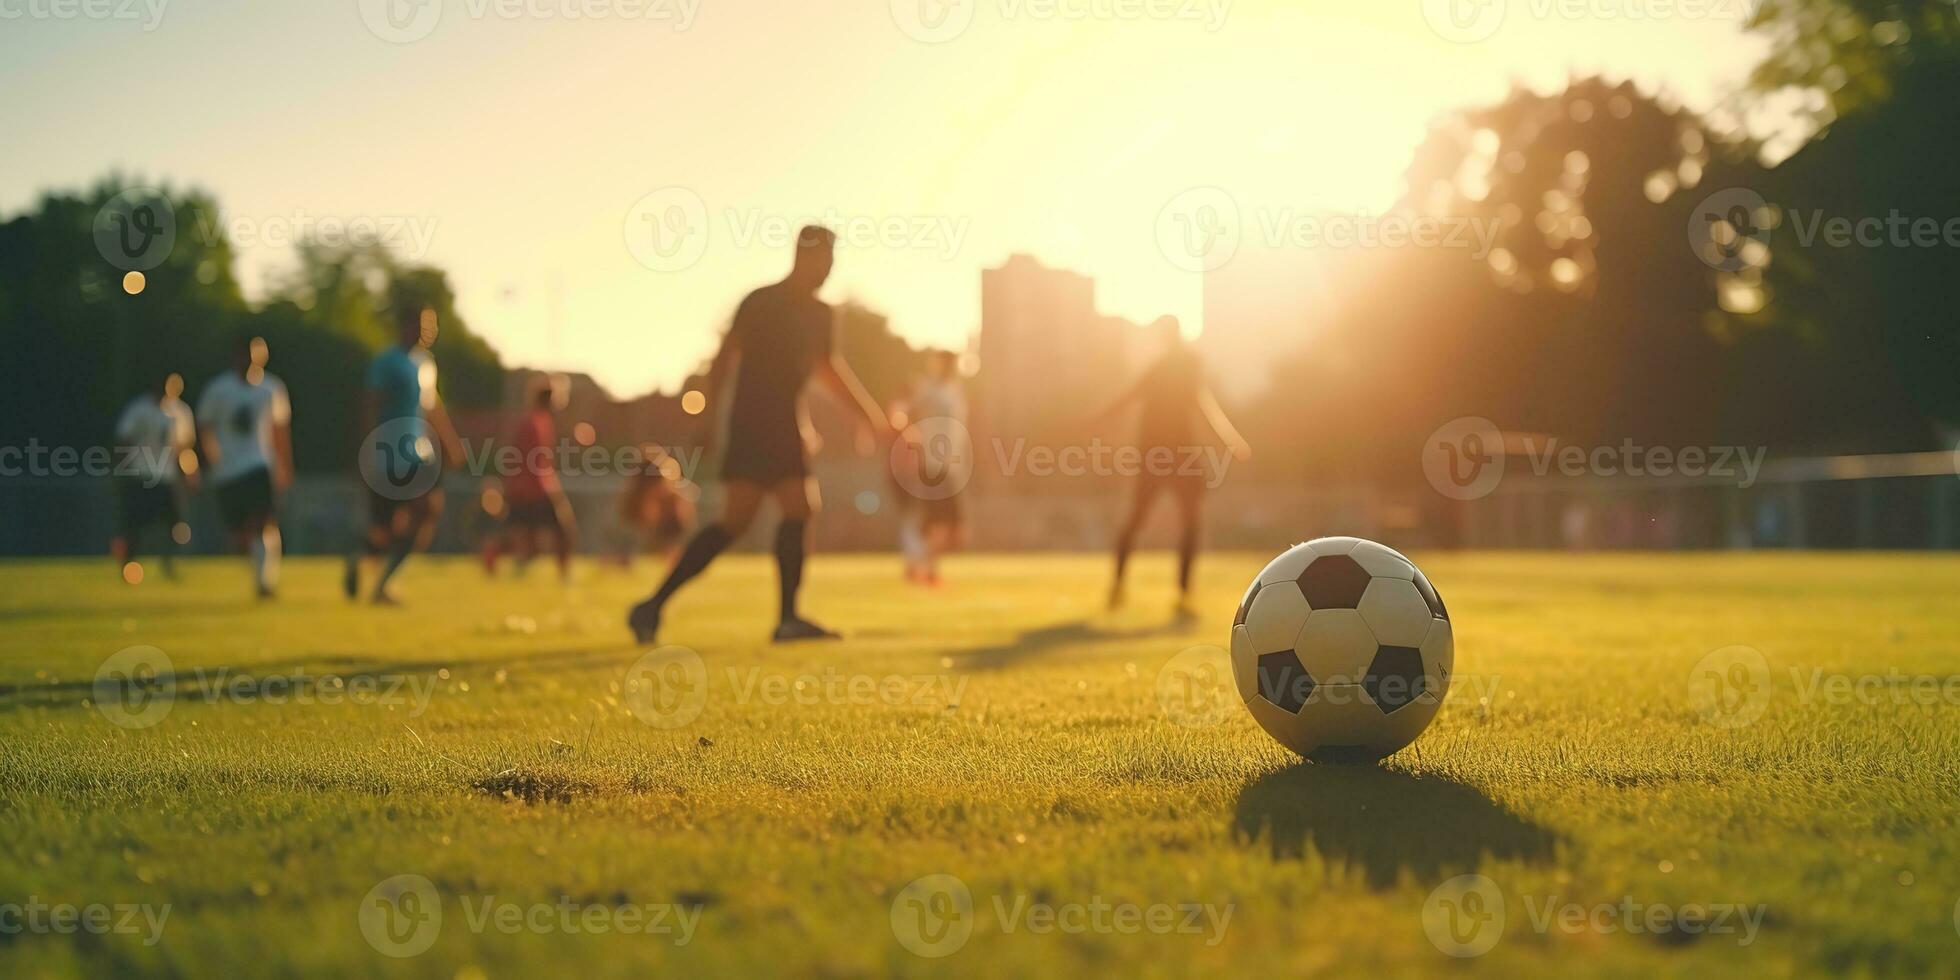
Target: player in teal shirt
x=409 y=437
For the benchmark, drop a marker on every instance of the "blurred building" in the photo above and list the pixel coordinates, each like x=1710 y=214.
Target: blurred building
x=1046 y=355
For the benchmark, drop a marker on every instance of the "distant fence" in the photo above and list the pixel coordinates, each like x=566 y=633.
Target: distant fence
x=1909 y=501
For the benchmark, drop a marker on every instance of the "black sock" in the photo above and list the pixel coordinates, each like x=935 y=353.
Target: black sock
x=396 y=556
x=1124 y=542
x=1187 y=556
x=790 y=549
x=712 y=540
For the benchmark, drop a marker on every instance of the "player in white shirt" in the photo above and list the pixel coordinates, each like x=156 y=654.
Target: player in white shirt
x=245 y=422
x=153 y=436
x=935 y=523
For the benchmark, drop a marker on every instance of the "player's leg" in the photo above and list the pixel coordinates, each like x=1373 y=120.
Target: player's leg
x=414 y=526
x=911 y=535
x=525 y=544
x=271 y=556
x=257 y=532
x=371 y=542
x=122 y=547
x=798 y=501
x=170 y=501
x=565 y=533
x=497 y=541
x=742 y=499
x=250 y=538
x=945 y=532
x=1191 y=512
x=1147 y=489
x=237 y=508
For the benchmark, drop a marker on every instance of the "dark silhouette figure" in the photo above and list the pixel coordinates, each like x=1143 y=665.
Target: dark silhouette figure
x=1174 y=399
x=782 y=337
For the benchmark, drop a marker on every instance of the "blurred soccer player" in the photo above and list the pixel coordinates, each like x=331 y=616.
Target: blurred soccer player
x=656 y=510
x=401 y=389
x=1173 y=397
x=154 y=436
x=935 y=523
x=535 y=505
x=781 y=338
x=245 y=423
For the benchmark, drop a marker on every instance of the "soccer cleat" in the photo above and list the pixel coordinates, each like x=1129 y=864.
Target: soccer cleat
x=800 y=630
x=644 y=621
x=350 y=581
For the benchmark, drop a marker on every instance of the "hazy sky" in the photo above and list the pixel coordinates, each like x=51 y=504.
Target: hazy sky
x=518 y=143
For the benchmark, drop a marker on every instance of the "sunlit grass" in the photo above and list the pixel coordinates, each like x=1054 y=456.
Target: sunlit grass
x=1024 y=751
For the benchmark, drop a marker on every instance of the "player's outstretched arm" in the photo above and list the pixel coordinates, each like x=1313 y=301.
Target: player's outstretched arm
x=1129 y=395
x=452 y=446
x=1222 y=426
x=843 y=382
x=282 y=451
x=208 y=439
x=727 y=359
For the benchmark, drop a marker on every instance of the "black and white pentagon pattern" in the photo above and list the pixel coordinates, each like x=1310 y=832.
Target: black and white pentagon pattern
x=1373 y=613
x=1345 y=612
x=1334 y=582
x=1283 y=682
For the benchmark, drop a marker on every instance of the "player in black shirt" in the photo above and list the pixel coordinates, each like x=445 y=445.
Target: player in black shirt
x=1175 y=401
x=781 y=339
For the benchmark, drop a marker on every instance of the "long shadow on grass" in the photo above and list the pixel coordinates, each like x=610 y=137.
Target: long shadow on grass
x=294 y=677
x=1385 y=823
x=1049 y=639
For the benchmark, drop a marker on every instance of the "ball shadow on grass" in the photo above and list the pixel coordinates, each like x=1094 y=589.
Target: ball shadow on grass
x=1384 y=822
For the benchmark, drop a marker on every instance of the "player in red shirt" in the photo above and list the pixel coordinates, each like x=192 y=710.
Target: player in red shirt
x=535 y=505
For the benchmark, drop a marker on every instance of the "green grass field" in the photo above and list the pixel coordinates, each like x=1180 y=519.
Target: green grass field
x=1003 y=731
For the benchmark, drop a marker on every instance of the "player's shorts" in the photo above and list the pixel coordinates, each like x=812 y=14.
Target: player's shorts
x=246 y=499
x=145 y=506
x=765 y=456
x=536 y=514
x=383 y=508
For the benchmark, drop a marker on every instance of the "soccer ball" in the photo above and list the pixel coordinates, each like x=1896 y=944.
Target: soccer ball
x=1342 y=650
